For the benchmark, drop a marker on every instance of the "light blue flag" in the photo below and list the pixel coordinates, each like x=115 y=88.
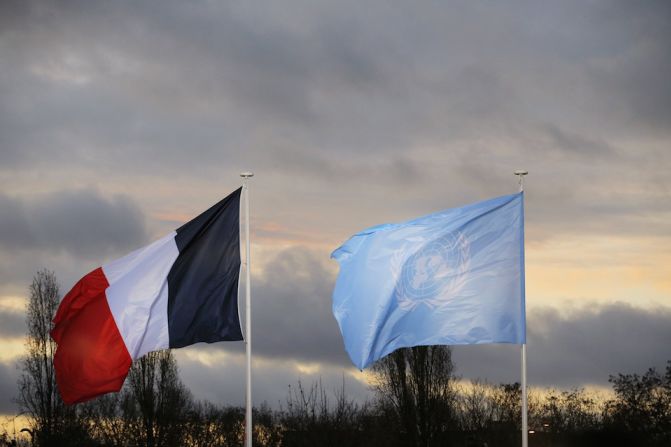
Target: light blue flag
x=455 y=277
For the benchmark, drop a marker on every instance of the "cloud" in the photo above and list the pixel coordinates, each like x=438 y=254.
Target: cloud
x=322 y=77
x=221 y=378
x=79 y=222
x=8 y=388
x=12 y=323
x=291 y=311
x=313 y=95
x=579 y=346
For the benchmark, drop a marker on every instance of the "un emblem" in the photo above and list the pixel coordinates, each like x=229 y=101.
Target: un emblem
x=433 y=274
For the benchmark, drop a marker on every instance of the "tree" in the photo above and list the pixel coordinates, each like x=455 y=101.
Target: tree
x=159 y=399
x=570 y=411
x=311 y=418
x=642 y=405
x=477 y=408
x=508 y=405
x=153 y=409
x=213 y=426
x=417 y=385
x=53 y=422
x=108 y=420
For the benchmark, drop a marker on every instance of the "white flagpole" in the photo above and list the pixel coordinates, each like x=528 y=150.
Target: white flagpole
x=248 y=315
x=525 y=423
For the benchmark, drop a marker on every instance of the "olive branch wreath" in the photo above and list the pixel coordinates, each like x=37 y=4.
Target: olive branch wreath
x=451 y=287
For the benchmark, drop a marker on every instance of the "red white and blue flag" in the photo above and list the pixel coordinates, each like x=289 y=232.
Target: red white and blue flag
x=180 y=290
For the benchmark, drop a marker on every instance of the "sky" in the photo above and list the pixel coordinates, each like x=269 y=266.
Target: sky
x=120 y=121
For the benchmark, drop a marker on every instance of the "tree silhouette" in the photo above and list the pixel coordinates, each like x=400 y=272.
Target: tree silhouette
x=311 y=418
x=53 y=423
x=416 y=384
x=477 y=407
x=642 y=406
x=162 y=402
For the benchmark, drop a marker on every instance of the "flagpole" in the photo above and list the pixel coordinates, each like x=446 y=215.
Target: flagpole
x=248 y=315
x=525 y=424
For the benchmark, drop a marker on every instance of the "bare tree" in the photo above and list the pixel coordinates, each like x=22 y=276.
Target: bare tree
x=477 y=409
x=212 y=426
x=507 y=405
x=642 y=405
x=38 y=392
x=108 y=420
x=569 y=411
x=311 y=418
x=417 y=383
x=161 y=402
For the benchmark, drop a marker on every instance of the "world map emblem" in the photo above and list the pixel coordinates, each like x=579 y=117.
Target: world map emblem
x=432 y=275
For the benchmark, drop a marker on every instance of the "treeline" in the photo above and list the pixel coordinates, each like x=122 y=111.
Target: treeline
x=417 y=401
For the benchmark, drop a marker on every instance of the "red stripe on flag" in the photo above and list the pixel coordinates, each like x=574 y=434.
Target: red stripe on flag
x=91 y=358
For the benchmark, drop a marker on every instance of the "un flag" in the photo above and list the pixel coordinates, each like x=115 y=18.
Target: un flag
x=454 y=277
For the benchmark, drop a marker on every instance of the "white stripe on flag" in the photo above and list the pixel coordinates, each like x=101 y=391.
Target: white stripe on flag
x=138 y=295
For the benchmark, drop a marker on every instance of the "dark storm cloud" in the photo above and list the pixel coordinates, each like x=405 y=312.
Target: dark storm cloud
x=8 y=378
x=17 y=268
x=591 y=343
x=79 y=222
x=12 y=323
x=292 y=310
x=581 y=346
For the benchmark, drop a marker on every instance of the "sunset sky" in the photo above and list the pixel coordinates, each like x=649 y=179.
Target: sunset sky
x=121 y=120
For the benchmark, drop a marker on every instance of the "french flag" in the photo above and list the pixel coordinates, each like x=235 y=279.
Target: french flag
x=180 y=290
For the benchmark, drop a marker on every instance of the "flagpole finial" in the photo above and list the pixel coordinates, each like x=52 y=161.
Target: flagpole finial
x=520 y=173
x=246 y=174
